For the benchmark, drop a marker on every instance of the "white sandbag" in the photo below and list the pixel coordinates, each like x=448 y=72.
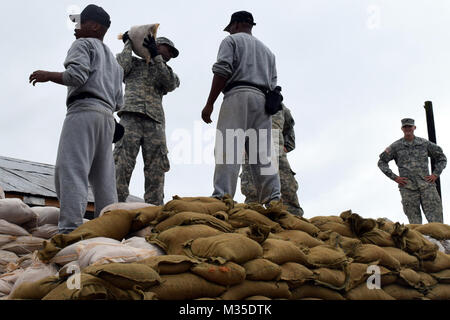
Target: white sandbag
x=137 y=35
x=138 y=242
x=7 y=281
x=70 y=253
x=2 y=193
x=96 y=254
x=16 y=211
x=12 y=229
x=7 y=257
x=35 y=272
x=24 y=245
x=146 y=232
x=45 y=231
x=125 y=206
x=85 y=220
x=6 y=238
x=46 y=215
x=435 y=241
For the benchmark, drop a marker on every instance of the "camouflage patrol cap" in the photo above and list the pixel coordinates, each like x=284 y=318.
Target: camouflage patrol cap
x=163 y=40
x=407 y=122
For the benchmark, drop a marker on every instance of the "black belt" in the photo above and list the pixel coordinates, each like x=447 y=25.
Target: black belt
x=84 y=95
x=235 y=84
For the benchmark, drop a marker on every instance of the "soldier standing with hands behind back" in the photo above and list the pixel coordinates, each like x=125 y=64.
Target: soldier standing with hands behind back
x=417 y=187
x=143 y=117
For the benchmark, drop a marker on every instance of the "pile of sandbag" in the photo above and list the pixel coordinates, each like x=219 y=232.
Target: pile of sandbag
x=206 y=248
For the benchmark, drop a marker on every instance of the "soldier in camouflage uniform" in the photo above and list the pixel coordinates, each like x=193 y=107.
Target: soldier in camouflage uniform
x=283 y=122
x=143 y=117
x=417 y=187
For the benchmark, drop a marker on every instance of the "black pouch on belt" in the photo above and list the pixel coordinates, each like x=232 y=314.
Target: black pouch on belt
x=119 y=130
x=273 y=97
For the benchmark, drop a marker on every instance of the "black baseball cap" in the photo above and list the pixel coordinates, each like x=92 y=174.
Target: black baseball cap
x=92 y=13
x=240 y=16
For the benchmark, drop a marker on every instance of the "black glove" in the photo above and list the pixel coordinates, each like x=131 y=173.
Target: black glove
x=150 y=44
x=125 y=37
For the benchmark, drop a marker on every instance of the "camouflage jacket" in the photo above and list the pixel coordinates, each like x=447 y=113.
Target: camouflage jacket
x=283 y=121
x=412 y=160
x=146 y=84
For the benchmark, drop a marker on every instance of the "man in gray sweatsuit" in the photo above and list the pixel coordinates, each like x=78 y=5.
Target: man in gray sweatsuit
x=243 y=64
x=94 y=81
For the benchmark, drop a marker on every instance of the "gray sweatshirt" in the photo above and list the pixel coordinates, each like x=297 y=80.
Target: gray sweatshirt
x=92 y=68
x=242 y=57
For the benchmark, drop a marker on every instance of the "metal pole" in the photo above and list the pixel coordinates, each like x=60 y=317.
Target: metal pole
x=432 y=137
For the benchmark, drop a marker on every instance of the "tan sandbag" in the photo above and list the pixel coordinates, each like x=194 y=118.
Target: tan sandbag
x=405 y=259
x=225 y=247
x=186 y=286
x=298 y=237
x=126 y=275
x=327 y=256
x=442 y=276
x=377 y=237
x=141 y=243
x=357 y=274
x=362 y=292
x=144 y=217
x=173 y=239
x=413 y=242
x=255 y=232
x=5 y=238
x=385 y=225
x=291 y=222
x=250 y=288
x=372 y=254
x=282 y=251
x=190 y=218
x=295 y=274
x=37 y=271
x=169 y=264
x=6 y=257
x=71 y=253
x=318 y=220
x=98 y=254
x=409 y=277
x=262 y=269
x=439 y=292
x=12 y=229
x=358 y=225
x=436 y=230
x=16 y=211
x=207 y=205
x=35 y=290
x=45 y=215
x=336 y=240
x=427 y=280
x=441 y=262
x=137 y=34
x=240 y=218
x=330 y=278
x=113 y=224
x=341 y=228
x=402 y=293
x=125 y=206
x=91 y=288
x=227 y=275
x=313 y=291
x=45 y=231
x=24 y=245
x=258 y=298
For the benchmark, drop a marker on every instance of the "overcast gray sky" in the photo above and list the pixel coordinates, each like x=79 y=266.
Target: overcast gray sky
x=350 y=70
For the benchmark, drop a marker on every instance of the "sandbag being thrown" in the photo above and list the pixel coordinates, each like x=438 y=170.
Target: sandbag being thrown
x=137 y=34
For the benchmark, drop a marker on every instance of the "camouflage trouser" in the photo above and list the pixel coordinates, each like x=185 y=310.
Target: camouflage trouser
x=431 y=203
x=289 y=186
x=141 y=130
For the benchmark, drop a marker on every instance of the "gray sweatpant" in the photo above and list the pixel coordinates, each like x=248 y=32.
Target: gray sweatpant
x=243 y=108
x=84 y=156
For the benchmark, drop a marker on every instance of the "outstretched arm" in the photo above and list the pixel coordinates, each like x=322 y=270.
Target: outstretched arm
x=45 y=76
